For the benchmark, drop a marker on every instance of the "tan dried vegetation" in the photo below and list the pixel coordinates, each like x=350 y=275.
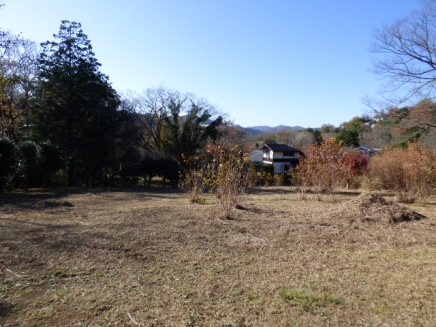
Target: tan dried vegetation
x=134 y=258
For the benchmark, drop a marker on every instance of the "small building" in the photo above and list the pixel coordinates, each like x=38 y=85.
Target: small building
x=256 y=156
x=283 y=157
x=366 y=150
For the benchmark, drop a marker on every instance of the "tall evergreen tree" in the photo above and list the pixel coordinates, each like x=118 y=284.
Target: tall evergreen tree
x=76 y=106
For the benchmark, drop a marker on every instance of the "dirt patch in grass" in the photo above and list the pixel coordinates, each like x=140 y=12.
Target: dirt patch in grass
x=151 y=258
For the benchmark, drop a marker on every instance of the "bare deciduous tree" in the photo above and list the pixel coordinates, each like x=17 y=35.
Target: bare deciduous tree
x=150 y=112
x=162 y=113
x=302 y=140
x=405 y=55
x=17 y=81
x=230 y=135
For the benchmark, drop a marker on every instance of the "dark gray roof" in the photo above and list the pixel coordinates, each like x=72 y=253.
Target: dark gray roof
x=280 y=147
x=365 y=148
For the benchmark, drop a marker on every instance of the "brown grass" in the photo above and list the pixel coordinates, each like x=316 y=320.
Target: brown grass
x=133 y=258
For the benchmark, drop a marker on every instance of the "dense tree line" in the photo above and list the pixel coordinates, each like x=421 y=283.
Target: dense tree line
x=62 y=123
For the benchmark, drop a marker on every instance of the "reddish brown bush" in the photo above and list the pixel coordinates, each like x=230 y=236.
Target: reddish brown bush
x=322 y=168
x=410 y=173
x=355 y=165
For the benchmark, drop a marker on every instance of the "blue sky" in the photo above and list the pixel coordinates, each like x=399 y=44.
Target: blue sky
x=263 y=62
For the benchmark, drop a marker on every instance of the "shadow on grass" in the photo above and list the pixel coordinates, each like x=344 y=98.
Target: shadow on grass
x=271 y=190
x=38 y=242
x=29 y=200
x=294 y=190
x=5 y=308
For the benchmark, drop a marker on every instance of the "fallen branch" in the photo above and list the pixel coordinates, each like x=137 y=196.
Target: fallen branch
x=20 y=276
x=134 y=321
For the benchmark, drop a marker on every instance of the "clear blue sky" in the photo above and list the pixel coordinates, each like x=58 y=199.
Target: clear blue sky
x=264 y=62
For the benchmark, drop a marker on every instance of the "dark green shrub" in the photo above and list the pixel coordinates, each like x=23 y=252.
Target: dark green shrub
x=7 y=162
x=149 y=167
x=129 y=166
x=169 y=170
x=28 y=163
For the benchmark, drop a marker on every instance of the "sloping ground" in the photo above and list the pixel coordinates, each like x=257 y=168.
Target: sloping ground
x=153 y=259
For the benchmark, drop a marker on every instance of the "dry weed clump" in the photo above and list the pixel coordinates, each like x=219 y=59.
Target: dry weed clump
x=410 y=173
x=279 y=179
x=326 y=167
x=372 y=207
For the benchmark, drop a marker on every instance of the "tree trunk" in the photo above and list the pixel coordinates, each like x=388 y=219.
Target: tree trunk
x=71 y=180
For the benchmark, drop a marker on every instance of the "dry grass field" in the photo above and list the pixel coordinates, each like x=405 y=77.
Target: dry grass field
x=150 y=258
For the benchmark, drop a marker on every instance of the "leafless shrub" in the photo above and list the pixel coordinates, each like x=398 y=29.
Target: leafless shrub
x=279 y=179
x=410 y=173
x=323 y=169
x=227 y=176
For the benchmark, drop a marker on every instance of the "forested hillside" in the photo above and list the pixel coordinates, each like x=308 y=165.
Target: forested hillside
x=391 y=127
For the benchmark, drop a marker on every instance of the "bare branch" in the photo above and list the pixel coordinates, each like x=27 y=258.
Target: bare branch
x=405 y=55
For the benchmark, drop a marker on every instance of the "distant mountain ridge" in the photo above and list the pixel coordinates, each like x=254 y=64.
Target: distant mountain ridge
x=255 y=130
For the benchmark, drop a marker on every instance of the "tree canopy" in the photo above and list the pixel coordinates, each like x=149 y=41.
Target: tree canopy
x=172 y=123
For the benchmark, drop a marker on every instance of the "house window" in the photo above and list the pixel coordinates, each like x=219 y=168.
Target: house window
x=286 y=168
x=288 y=154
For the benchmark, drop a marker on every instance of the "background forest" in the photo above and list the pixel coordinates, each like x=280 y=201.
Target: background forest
x=63 y=124
x=391 y=127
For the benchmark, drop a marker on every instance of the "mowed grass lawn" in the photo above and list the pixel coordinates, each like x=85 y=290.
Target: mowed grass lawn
x=150 y=258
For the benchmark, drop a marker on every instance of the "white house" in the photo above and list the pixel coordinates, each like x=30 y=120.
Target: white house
x=283 y=157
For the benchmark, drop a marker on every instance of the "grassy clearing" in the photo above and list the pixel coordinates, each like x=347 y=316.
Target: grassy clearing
x=129 y=258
